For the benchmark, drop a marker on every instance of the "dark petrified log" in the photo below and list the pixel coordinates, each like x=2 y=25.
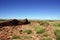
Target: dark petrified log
x=14 y=22
x=25 y=21
x=10 y=23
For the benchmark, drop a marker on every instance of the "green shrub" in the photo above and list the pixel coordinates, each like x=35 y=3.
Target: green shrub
x=16 y=37
x=28 y=31
x=57 y=24
x=39 y=30
x=57 y=33
x=45 y=34
x=46 y=38
x=44 y=23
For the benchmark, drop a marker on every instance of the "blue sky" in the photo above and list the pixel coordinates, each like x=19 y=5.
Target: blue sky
x=31 y=9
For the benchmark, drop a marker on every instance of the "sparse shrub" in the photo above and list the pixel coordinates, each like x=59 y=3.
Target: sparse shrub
x=28 y=31
x=57 y=24
x=46 y=38
x=44 y=23
x=45 y=34
x=16 y=37
x=57 y=30
x=57 y=33
x=39 y=30
x=28 y=37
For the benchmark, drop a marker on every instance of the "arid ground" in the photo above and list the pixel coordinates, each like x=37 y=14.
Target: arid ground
x=35 y=30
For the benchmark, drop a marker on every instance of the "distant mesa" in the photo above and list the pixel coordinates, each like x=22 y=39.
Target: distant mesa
x=14 y=22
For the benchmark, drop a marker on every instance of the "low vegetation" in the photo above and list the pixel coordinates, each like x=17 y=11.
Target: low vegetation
x=45 y=34
x=57 y=33
x=44 y=23
x=39 y=30
x=16 y=37
x=27 y=31
x=57 y=24
x=46 y=38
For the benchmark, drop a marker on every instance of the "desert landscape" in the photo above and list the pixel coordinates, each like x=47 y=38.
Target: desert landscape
x=29 y=29
x=29 y=19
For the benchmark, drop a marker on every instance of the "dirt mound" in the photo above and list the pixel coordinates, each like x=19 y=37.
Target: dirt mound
x=14 y=22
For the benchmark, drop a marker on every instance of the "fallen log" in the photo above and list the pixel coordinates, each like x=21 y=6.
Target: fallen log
x=25 y=21
x=14 y=22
